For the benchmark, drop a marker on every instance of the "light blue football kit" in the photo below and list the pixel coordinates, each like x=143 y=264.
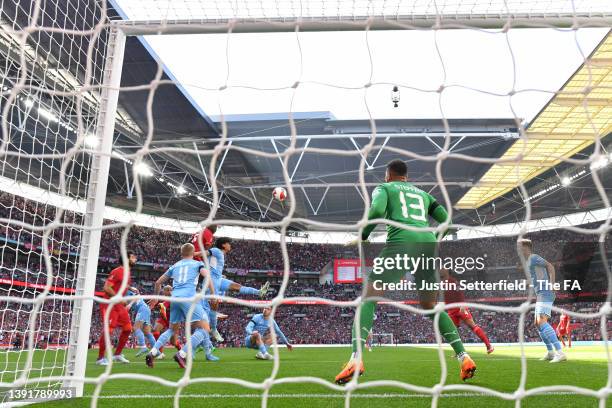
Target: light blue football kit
x=262 y=325
x=545 y=297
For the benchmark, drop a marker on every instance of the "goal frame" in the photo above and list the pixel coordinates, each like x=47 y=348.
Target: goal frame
x=119 y=30
x=82 y=309
x=360 y=23
x=383 y=335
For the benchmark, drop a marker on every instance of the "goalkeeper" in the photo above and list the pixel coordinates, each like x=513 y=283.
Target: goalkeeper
x=400 y=201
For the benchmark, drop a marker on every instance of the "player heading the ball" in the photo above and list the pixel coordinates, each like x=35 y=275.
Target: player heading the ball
x=206 y=237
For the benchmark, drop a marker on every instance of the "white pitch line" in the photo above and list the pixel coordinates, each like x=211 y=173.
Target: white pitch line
x=326 y=396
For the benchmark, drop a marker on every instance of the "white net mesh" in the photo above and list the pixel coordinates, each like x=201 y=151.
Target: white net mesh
x=60 y=74
x=45 y=117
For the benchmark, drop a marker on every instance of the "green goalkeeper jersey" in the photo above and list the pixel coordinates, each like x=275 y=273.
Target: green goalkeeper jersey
x=404 y=203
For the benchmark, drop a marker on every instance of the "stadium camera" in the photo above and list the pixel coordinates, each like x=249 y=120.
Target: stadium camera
x=395 y=96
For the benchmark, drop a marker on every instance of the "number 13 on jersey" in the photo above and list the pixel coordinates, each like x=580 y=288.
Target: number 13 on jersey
x=412 y=206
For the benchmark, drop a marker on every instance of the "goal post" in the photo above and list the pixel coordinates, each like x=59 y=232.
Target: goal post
x=93 y=217
x=380 y=339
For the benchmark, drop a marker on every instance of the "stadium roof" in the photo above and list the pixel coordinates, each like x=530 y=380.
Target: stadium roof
x=325 y=184
x=577 y=116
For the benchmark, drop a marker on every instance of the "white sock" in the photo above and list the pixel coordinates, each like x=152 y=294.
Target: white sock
x=461 y=355
x=154 y=352
x=182 y=353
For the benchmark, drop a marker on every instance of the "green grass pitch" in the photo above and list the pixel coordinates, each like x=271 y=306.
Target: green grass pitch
x=587 y=367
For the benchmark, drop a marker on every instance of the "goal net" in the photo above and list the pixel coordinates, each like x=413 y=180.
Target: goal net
x=61 y=83
x=382 y=339
x=52 y=58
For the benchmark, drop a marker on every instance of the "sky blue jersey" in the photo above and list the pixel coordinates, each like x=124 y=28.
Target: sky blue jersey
x=184 y=274
x=217 y=263
x=539 y=274
x=140 y=304
x=260 y=324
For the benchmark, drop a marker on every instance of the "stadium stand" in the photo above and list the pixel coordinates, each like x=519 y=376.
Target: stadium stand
x=157 y=249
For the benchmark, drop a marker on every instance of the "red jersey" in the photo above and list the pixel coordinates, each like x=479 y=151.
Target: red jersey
x=565 y=321
x=453 y=295
x=164 y=309
x=116 y=278
x=206 y=236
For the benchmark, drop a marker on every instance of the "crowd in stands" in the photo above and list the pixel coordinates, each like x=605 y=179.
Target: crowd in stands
x=160 y=247
x=302 y=323
x=21 y=260
x=310 y=324
x=52 y=325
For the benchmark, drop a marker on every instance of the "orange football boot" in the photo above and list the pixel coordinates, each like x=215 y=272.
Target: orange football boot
x=348 y=371
x=468 y=368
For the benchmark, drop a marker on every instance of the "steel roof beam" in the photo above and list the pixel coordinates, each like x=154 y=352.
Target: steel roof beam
x=333 y=136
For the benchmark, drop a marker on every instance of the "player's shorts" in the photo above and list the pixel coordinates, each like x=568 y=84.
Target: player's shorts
x=163 y=323
x=426 y=271
x=217 y=283
x=224 y=285
x=543 y=308
x=143 y=315
x=544 y=303
x=247 y=342
x=118 y=317
x=207 y=310
x=458 y=316
x=180 y=310
x=561 y=331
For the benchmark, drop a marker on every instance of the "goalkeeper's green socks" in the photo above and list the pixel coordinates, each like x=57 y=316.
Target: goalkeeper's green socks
x=449 y=332
x=366 y=320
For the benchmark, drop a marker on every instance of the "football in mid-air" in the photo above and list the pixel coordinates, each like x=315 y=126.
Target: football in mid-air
x=279 y=193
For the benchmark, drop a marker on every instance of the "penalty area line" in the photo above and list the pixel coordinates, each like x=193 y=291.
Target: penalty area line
x=327 y=396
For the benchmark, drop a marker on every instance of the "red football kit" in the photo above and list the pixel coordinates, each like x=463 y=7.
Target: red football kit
x=564 y=329
x=206 y=236
x=118 y=315
x=458 y=315
x=456 y=296
x=164 y=314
